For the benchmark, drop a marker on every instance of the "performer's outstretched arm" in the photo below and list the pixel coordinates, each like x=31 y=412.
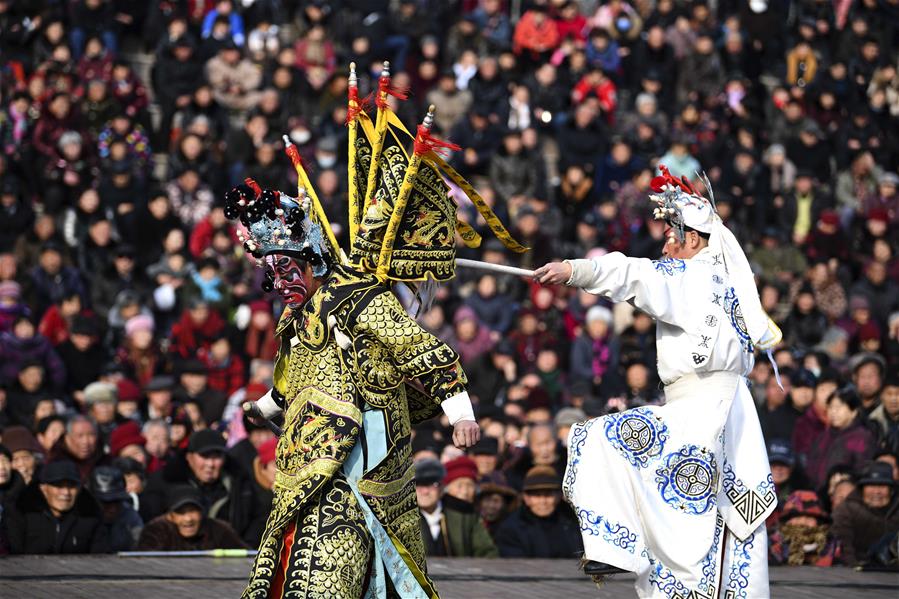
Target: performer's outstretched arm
x=656 y=287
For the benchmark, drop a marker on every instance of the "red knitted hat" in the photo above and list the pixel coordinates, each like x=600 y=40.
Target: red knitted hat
x=267 y=451
x=461 y=467
x=125 y=435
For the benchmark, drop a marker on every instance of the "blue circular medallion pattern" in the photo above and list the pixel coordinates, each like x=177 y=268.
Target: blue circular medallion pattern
x=639 y=435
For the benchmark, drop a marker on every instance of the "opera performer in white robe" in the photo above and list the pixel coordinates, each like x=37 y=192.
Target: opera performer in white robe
x=679 y=493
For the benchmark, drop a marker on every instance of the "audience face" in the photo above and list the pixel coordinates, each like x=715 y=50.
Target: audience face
x=780 y=472
x=24 y=462
x=840 y=415
x=491 y=506
x=876 y=496
x=428 y=496
x=541 y=503
x=542 y=443
x=61 y=496
x=462 y=488
x=206 y=467
x=6 y=469
x=187 y=520
x=81 y=439
x=890 y=400
x=867 y=379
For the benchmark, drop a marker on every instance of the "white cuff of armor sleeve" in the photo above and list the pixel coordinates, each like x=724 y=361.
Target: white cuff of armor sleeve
x=267 y=405
x=582 y=272
x=458 y=408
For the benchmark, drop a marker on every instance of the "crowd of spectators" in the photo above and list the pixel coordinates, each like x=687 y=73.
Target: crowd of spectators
x=132 y=326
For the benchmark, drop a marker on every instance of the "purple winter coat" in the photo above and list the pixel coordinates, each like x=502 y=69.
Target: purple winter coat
x=852 y=446
x=14 y=352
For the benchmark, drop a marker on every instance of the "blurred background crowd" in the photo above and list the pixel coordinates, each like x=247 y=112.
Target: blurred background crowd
x=132 y=326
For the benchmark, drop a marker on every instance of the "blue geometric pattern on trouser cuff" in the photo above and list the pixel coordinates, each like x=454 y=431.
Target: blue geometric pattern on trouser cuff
x=616 y=534
x=688 y=479
x=576 y=443
x=639 y=435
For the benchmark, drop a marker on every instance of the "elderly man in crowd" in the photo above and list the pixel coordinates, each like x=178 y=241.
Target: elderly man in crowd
x=185 y=526
x=80 y=444
x=224 y=488
x=544 y=526
x=869 y=514
x=449 y=524
x=57 y=515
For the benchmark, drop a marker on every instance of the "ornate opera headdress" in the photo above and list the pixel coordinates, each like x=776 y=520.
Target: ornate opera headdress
x=276 y=223
x=680 y=205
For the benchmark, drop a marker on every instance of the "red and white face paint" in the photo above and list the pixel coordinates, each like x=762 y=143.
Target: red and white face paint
x=291 y=279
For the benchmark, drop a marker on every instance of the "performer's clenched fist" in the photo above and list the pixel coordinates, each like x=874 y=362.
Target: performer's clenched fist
x=554 y=273
x=466 y=433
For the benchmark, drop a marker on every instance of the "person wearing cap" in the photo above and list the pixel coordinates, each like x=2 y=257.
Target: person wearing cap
x=159 y=398
x=495 y=502
x=543 y=527
x=100 y=400
x=786 y=476
x=868 y=514
x=185 y=526
x=120 y=521
x=127 y=441
x=565 y=419
x=884 y=420
x=485 y=454
x=263 y=468
x=594 y=351
x=450 y=526
x=225 y=491
x=709 y=322
x=846 y=441
x=56 y=515
x=803 y=536
x=25 y=452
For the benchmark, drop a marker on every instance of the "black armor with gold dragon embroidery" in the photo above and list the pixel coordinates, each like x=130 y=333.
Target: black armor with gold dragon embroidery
x=329 y=382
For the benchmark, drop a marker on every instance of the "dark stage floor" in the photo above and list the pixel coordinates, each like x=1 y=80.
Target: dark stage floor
x=200 y=578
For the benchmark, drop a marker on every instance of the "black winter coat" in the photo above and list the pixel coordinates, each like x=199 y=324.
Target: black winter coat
x=525 y=535
x=33 y=529
x=231 y=499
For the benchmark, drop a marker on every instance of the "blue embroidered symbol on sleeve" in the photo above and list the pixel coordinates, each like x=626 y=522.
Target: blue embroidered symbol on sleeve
x=669 y=266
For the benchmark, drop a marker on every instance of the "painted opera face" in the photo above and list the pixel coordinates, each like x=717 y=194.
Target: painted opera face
x=292 y=279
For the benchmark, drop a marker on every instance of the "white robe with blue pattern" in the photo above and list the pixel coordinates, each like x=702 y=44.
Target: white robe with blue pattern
x=670 y=491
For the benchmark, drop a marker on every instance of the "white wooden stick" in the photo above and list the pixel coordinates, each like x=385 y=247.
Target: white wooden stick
x=498 y=268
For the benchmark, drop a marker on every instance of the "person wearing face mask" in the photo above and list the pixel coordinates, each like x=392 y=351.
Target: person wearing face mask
x=56 y=515
x=186 y=527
